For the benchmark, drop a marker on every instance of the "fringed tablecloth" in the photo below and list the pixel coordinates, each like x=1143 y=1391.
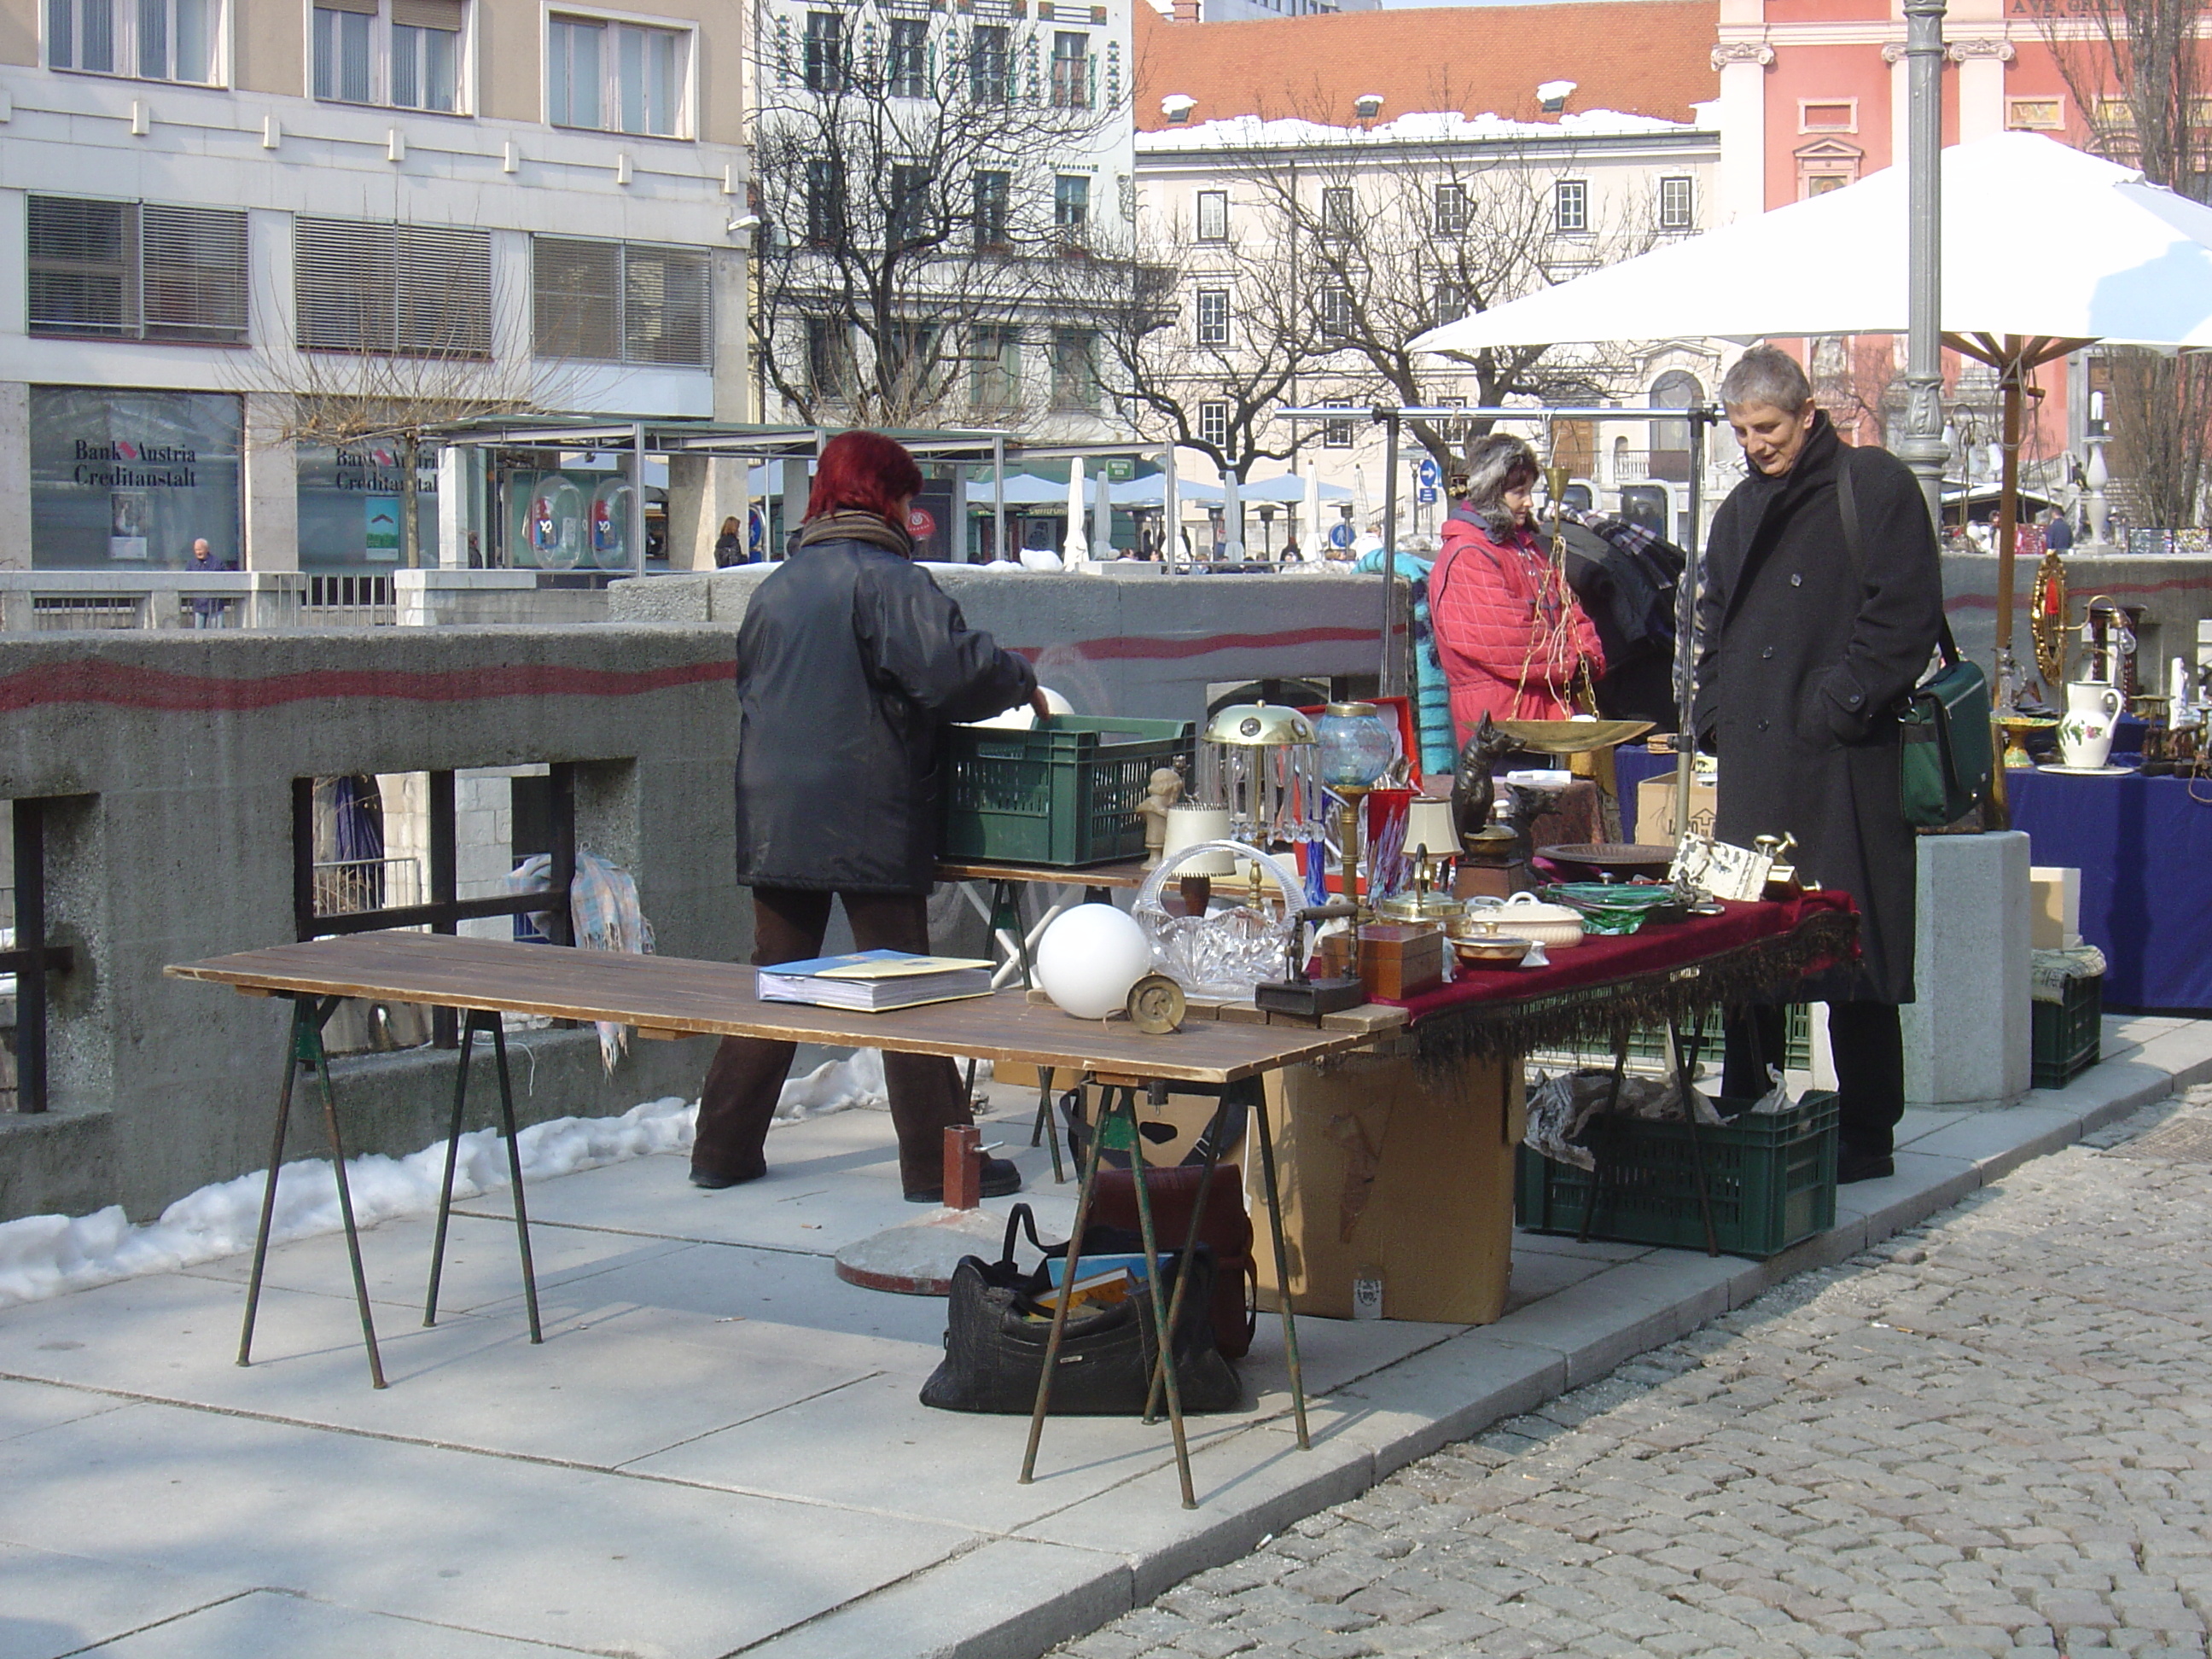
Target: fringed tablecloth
x=1606 y=986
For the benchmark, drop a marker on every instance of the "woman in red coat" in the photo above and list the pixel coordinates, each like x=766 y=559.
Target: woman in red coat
x=1508 y=631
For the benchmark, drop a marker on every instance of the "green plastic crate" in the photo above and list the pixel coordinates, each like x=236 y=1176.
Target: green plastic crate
x=1647 y=1046
x=1771 y=1179
x=2068 y=1035
x=1063 y=795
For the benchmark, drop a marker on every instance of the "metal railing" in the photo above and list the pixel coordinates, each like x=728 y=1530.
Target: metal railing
x=348 y=601
x=346 y=887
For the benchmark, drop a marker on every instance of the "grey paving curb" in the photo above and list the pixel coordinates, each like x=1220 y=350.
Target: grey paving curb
x=1069 y=1574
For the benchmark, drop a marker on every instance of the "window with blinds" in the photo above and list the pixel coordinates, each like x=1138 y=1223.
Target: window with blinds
x=616 y=77
x=130 y=271
x=145 y=39
x=392 y=289
x=616 y=302
x=405 y=53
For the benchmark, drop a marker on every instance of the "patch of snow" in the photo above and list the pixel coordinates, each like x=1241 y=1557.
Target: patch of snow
x=1426 y=127
x=45 y=1255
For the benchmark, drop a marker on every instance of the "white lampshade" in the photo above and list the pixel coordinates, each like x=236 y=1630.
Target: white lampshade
x=1089 y=958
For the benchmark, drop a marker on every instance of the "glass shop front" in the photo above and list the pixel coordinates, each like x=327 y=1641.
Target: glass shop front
x=350 y=506
x=128 y=480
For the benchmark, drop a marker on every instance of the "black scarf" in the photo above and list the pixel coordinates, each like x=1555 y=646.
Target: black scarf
x=850 y=525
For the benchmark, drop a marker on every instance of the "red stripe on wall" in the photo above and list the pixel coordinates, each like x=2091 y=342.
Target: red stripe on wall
x=1159 y=650
x=89 y=680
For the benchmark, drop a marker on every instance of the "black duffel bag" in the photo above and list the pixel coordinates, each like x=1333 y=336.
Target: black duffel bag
x=994 y=1353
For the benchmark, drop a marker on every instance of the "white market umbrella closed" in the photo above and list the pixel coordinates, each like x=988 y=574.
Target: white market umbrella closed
x=2136 y=270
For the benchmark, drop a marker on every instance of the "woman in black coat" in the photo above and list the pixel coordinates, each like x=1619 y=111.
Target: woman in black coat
x=1804 y=660
x=850 y=662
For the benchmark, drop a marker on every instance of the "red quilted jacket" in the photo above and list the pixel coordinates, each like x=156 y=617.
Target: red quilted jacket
x=1508 y=629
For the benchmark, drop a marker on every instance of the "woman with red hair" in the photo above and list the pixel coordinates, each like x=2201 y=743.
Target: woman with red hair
x=850 y=662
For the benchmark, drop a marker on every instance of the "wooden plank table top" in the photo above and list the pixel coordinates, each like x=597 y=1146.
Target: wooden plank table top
x=670 y=997
x=1129 y=875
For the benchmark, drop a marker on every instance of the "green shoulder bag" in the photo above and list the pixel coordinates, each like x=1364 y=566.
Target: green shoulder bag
x=1944 y=754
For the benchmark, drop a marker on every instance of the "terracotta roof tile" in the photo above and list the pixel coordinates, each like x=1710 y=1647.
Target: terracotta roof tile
x=1642 y=56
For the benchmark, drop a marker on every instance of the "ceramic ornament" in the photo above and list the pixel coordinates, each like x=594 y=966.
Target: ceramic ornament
x=1089 y=958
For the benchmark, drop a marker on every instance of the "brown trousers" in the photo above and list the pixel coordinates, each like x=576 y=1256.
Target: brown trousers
x=747 y=1073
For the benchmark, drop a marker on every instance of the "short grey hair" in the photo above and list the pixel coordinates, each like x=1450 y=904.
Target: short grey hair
x=1764 y=375
x=1494 y=465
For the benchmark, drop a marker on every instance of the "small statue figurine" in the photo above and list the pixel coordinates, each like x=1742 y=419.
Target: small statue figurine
x=1474 y=792
x=1162 y=791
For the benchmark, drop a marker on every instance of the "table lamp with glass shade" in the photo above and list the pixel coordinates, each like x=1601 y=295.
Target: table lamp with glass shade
x=1356 y=749
x=1261 y=761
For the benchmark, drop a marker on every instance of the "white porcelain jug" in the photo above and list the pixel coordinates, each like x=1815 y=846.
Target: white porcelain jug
x=2085 y=736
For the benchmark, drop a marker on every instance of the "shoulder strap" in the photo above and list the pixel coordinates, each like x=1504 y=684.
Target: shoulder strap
x=1847 y=501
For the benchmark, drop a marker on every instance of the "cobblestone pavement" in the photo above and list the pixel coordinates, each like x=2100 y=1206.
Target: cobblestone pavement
x=1992 y=1435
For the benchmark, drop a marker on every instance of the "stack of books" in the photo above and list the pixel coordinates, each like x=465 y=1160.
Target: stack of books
x=869 y=981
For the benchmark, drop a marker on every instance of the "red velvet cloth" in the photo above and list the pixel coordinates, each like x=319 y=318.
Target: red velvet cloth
x=1602 y=958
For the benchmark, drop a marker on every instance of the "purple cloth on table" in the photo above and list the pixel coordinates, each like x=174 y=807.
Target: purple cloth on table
x=2144 y=848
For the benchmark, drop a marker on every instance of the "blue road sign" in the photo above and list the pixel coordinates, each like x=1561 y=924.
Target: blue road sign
x=1339 y=535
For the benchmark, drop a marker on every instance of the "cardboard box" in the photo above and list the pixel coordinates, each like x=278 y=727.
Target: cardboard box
x=1655 y=809
x=1386 y=1177
x=2054 y=908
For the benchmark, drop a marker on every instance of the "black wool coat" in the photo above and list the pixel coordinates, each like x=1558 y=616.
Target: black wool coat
x=1801 y=664
x=851 y=661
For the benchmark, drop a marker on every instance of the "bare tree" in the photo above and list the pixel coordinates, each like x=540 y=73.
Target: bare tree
x=398 y=330
x=2138 y=75
x=1394 y=239
x=1203 y=353
x=928 y=211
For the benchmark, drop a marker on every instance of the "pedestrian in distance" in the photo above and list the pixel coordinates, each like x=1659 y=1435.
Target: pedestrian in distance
x=2058 y=534
x=1806 y=651
x=208 y=610
x=729 y=545
x=850 y=663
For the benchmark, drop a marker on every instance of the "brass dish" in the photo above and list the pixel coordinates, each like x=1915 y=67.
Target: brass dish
x=1572 y=736
x=1477 y=942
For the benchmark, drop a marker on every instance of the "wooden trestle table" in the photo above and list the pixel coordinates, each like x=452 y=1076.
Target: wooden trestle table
x=670 y=997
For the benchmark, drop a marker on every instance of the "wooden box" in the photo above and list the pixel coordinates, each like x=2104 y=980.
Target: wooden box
x=1389 y=1175
x=1399 y=958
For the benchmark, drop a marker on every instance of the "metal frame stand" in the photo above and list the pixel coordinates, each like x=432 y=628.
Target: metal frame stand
x=477 y=1021
x=1116 y=1128
x=303 y=1050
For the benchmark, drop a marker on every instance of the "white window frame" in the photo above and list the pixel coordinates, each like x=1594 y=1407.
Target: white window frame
x=381 y=28
x=1213 y=422
x=1578 y=191
x=2013 y=106
x=124 y=14
x=688 y=97
x=1211 y=331
x=1197 y=215
x=1688 y=220
x=1340 y=435
x=1849 y=105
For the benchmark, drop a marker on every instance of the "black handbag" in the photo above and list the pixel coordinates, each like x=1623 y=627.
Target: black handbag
x=1945 y=754
x=994 y=1344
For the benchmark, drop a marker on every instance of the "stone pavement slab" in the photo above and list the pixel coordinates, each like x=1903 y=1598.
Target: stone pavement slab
x=269 y=1623
x=719 y=1447
x=53 y=1603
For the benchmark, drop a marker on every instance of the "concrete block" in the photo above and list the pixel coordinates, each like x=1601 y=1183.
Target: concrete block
x=1995 y=1142
x=1441 y=1394
x=1922 y=1185
x=1596 y=1324
x=1008 y=1599
x=1967 y=1039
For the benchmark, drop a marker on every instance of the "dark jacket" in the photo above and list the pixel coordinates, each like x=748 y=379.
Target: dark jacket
x=1800 y=666
x=850 y=662
x=729 y=550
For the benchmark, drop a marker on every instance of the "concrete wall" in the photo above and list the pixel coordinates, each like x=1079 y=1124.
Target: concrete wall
x=2175 y=591
x=171 y=759
x=1145 y=645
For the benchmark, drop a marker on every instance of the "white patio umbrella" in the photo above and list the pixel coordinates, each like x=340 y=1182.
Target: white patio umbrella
x=2137 y=270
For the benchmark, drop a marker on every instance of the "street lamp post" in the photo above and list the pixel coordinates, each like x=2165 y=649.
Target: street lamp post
x=1923 y=449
